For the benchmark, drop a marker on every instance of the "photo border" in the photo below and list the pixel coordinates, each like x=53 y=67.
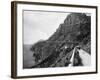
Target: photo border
x=14 y=38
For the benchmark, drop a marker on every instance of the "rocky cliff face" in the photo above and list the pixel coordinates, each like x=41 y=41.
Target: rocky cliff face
x=75 y=30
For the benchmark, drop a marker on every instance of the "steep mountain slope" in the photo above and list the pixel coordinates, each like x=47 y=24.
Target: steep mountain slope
x=75 y=30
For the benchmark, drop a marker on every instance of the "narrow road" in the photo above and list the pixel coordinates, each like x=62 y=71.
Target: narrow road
x=86 y=57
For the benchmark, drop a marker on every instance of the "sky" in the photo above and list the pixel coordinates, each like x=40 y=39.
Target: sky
x=40 y=25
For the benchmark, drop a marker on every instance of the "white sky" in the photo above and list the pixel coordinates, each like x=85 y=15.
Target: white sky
x=40 y=25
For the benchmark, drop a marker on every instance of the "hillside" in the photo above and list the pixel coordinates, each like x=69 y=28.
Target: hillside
x=75 y=30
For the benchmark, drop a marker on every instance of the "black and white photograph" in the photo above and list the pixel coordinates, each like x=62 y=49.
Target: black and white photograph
x=56 y=39
x=53 y=39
